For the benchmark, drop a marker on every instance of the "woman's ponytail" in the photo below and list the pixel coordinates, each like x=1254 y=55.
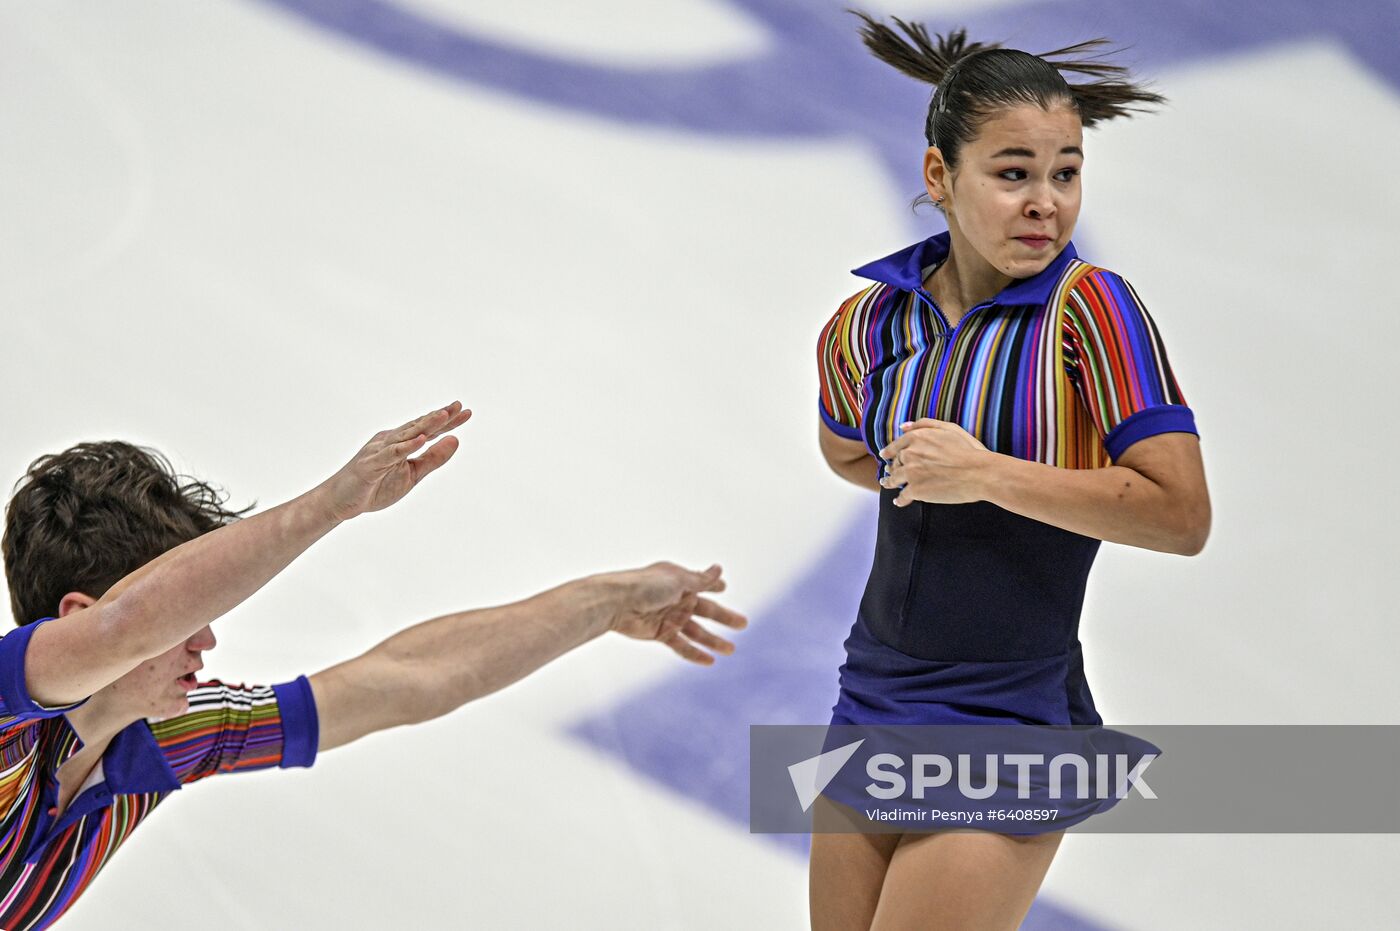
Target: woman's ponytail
x=974 y=79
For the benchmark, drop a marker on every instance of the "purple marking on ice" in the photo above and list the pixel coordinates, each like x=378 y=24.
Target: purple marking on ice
x=815 y=78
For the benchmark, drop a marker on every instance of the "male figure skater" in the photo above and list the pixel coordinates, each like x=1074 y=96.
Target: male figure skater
x=116 y=572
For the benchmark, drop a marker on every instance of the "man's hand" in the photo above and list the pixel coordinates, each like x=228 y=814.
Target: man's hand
x=381 y=472
x=935 y=461
x=662 y=601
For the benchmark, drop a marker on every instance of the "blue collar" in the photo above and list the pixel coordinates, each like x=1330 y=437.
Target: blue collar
x=133 y=763
x=905 y=269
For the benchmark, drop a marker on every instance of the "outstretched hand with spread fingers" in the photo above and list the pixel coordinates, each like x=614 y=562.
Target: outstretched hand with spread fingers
x=381 y=472
x=663 y=602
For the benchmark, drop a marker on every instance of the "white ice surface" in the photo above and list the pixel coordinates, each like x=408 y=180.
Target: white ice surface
x=251 y=245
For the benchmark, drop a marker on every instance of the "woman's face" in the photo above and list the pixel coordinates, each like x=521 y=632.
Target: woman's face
x=1014 y=197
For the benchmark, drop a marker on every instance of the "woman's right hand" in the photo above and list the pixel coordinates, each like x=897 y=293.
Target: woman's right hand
x=381 y=472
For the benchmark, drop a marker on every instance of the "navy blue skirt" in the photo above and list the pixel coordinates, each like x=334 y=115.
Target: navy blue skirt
x=881 y=685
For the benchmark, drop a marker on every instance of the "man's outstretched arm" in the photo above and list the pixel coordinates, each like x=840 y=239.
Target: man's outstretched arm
x=171 y=597
x=435 y=667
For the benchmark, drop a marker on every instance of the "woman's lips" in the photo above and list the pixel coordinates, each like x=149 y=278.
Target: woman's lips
x=188 y=680
x=1035 y=242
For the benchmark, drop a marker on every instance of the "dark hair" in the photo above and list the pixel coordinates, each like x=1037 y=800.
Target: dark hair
x=94 y=513
x=974 y=80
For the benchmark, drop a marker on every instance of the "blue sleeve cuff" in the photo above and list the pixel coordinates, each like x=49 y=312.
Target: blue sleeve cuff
x=840 y=429
x=14 y=690
x=1164 y=418
x=301 y=726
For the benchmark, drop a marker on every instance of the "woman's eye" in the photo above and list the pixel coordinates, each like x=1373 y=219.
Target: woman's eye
x=1020 y=172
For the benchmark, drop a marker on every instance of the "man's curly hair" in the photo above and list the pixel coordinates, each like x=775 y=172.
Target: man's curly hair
x=82 y=519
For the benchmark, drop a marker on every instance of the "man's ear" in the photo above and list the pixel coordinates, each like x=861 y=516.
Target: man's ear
x=74 y=601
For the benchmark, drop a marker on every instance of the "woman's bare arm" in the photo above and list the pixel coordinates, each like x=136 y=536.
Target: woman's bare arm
x=1154 y=496
x=849 y=458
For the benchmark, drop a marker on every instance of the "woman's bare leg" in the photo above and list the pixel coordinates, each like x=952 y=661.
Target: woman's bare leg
x=845 y=873
x=963 y=881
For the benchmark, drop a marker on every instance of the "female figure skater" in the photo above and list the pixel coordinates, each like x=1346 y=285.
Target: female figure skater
x=1013 y=406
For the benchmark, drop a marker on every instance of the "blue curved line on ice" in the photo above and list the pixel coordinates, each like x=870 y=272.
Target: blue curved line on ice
x=815 y=79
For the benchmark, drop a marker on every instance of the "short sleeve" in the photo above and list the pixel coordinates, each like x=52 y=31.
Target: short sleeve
x=16 y=705
x=839 y=372
x=233 y=728
x=1117 y=361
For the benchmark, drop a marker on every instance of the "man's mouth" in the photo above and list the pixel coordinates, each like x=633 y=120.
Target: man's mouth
x=188 y=680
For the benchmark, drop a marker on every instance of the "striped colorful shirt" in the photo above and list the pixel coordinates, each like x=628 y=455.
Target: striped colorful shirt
x=1065 y=367
x=976 y=605
x=47 y=862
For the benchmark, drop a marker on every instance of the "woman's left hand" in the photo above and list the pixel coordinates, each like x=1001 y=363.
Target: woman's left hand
x=935 y=461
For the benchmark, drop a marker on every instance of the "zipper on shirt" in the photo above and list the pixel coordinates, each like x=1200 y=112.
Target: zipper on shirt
x=89 y=800
x=950 y=334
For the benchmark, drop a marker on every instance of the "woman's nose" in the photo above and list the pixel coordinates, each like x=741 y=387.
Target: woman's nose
x=204 y=639
x=1042 y=205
